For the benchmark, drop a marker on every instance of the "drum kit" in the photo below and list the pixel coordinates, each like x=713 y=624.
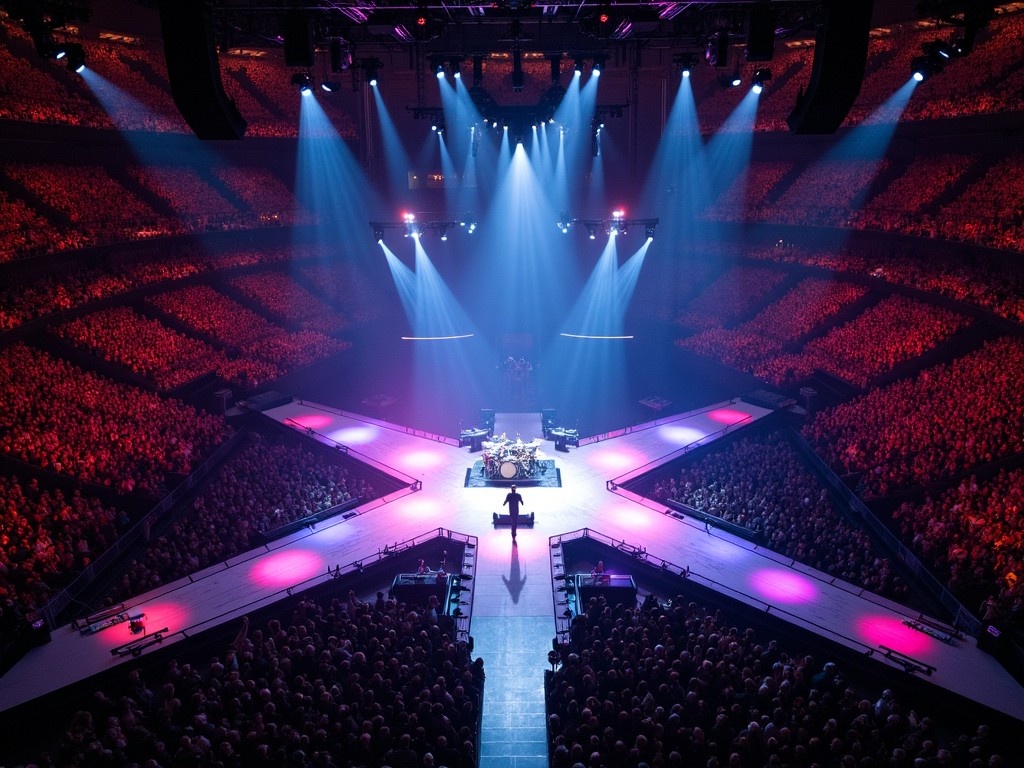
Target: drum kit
x=507 y=459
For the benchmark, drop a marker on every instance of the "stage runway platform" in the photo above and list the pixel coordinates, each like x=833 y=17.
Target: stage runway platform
x=437 y=498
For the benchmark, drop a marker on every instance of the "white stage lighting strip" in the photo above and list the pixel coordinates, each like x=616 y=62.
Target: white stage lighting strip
x=437 y=338
x=586 y=336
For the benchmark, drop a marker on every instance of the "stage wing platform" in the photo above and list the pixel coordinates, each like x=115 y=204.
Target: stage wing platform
x=513 y=583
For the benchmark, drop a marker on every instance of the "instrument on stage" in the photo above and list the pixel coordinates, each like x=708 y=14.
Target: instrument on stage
x=509 y=459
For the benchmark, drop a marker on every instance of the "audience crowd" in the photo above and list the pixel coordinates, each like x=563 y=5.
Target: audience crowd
x=949 y=419
x=229 y=324
x=261 y=487
x=807 y=306
x=895 y=330
x=47 y=537
x=264 y=193
x=675 y=686
x=147 y=347
x=993 y=282
x=972 y=536
x=283 y=297
x=732 y=295
x=58 y=417
x=338 y=684
x=762 y=484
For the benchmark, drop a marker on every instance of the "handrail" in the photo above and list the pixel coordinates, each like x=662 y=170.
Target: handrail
x=962 y=618
x=349 y=451
x=651 y=424
x=380 y=423
x=644 y=468
x=649 y=559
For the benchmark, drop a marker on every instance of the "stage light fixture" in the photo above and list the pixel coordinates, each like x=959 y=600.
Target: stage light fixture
x=303 y=82
x=577 y=66
x=761 y=76
x=72 y=54
x=331 y=86
x=736 y=80
x=443 y=230
x=922 y=67
x=372 y=72
x=649 y=231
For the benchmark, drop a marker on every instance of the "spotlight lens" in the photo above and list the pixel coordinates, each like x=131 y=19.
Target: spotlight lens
x=458 y=75
x=918 y=77
x=686 y=73
x=440 y=74
x=80 y=69
x=373 y=82
x=736 y=81
x=597 y=72
x=757 y=88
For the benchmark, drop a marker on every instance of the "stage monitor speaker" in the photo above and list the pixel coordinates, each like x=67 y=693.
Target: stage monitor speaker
x=840 y=56
x=193 y=70
x=761 y=33
x=298 y=39
x=487 y=416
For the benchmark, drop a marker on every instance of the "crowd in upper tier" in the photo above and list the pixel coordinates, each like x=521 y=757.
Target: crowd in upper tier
x=678 y=686
x=972 y=536
x=58 y=417
x=894 y=331
x=946 y=420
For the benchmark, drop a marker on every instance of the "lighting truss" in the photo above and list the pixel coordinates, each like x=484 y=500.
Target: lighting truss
x=411 y=226
x=617 y=225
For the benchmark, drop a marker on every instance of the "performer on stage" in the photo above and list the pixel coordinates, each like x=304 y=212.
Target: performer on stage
x=513 y=499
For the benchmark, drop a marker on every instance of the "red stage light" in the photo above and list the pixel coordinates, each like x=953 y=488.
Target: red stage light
x=421 y=21
x=603 y=18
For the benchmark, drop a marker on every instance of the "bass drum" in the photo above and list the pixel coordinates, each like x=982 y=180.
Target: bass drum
x=508 y=470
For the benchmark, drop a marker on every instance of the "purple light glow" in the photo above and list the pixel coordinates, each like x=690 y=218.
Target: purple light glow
x=775 y=585
x=633 y=516
x=421 y=460
x=283 y=569
x=615 y=459
x=673 y=433
x=355 y=435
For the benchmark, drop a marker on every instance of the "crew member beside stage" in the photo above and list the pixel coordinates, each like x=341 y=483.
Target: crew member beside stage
x=513 y=499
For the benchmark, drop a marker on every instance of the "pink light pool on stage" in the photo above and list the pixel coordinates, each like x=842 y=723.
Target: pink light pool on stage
x=355 y=435
x=617 y=459
x=415 y=508
x=728 y=416
x=633 y=517
x=159 y=614
x=314 y=421
x=283 y=569
x=679 y=435
x=777 y=585
x=875 y=630
x=425 y=459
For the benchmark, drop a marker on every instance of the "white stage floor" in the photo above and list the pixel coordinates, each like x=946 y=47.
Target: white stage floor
x=858 y=620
